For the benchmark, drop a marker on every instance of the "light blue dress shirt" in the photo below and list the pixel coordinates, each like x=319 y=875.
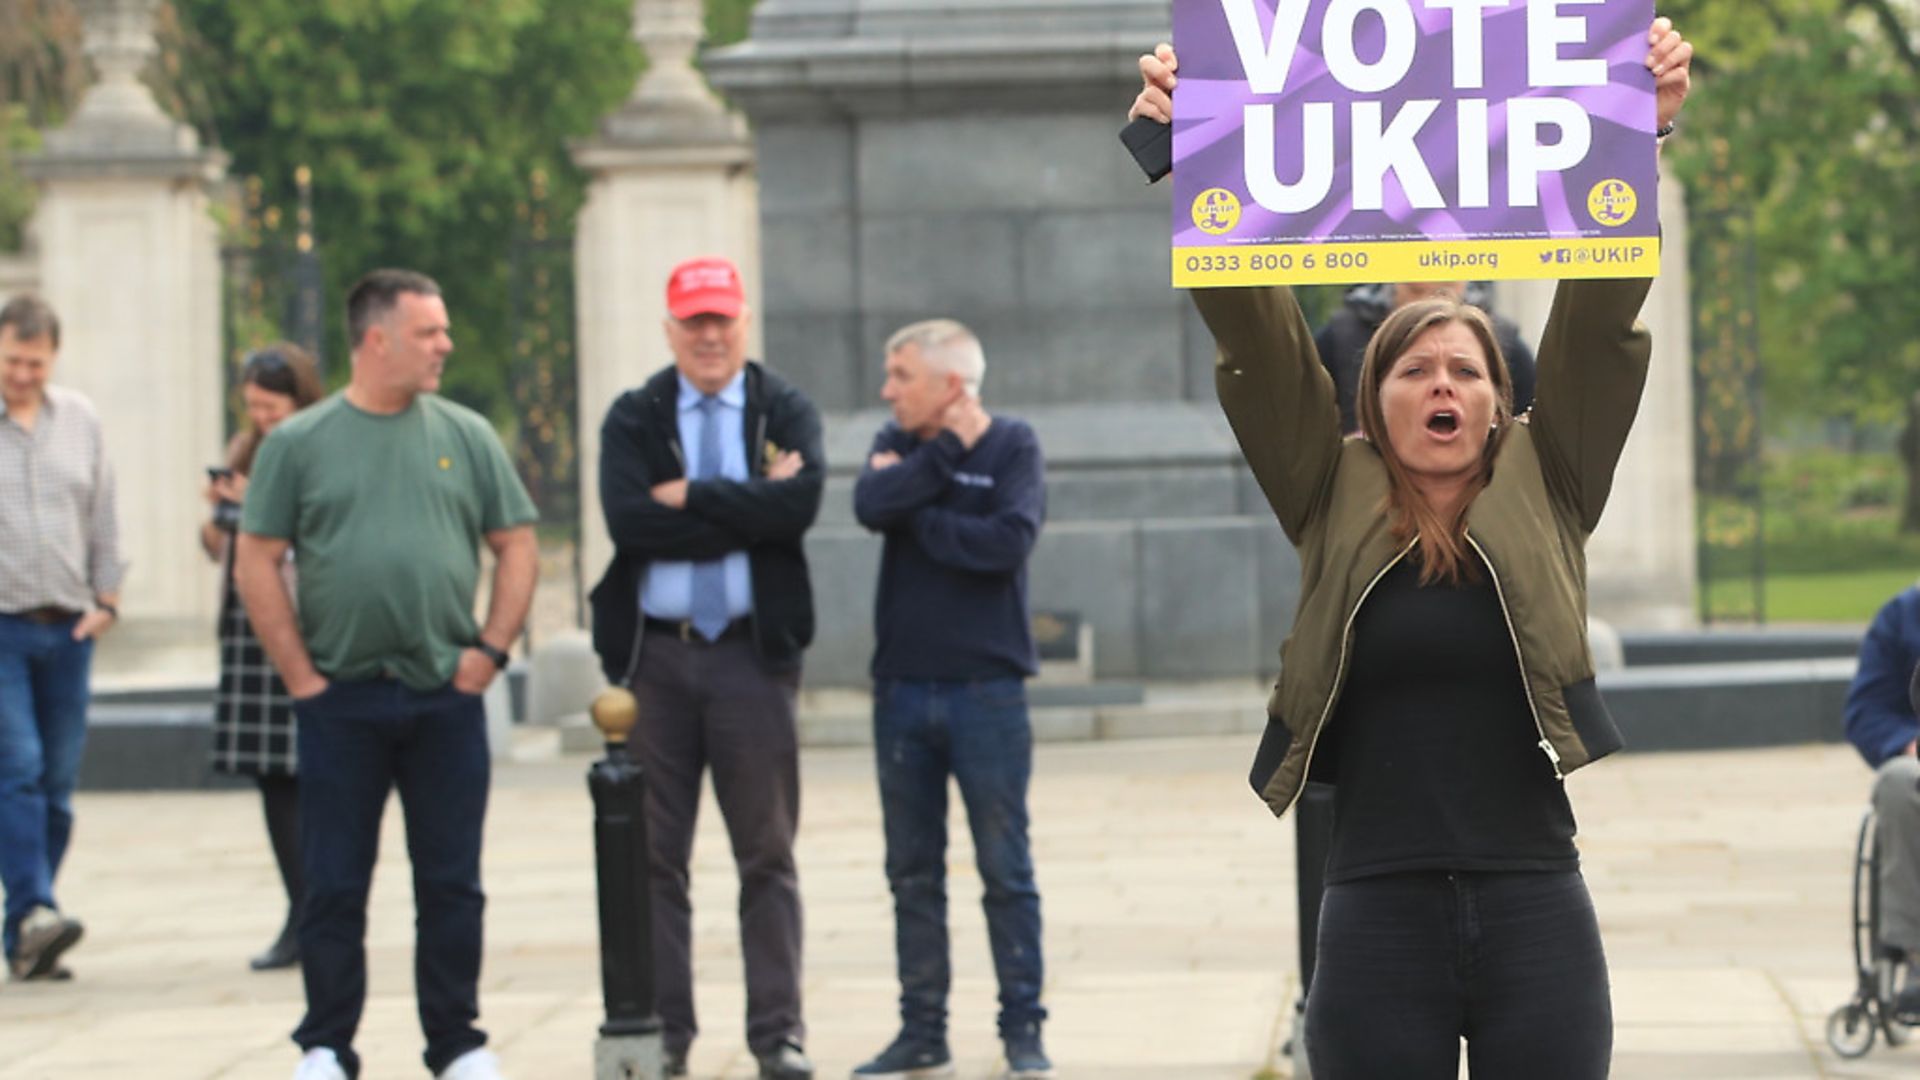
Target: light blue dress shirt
x=667 y=591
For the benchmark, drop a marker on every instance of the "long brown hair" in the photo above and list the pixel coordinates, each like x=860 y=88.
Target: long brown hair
x=280 y=368
x=1443 y=542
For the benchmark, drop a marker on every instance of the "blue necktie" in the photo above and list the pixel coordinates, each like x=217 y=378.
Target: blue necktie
x=708 y=605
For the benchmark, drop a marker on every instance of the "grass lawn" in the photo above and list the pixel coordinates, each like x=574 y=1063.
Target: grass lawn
x=1844 y=596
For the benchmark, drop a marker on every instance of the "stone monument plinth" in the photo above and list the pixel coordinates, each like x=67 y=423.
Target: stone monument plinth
x=672 y=180
x=921 y=158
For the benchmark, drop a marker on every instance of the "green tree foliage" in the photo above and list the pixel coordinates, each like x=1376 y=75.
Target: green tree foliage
x=727 y=21
x=39 y=83
x=424 y=123
x=1805 y=121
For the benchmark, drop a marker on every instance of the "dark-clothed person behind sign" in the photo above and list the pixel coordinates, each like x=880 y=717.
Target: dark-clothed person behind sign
x=959 y=496
x=710 y=475
x=1342 y=340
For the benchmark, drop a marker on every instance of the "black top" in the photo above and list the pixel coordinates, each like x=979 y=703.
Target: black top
x=1437 y=762
x=959 y=525
x=640 y=447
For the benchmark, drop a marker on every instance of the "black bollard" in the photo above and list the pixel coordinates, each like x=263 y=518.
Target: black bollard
x=1312 y=837
x=629 y=1046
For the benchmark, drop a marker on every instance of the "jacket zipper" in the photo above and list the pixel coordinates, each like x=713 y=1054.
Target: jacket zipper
x=640 y=628
x=756 y=466
x=1340 y=670
x=1519 y=658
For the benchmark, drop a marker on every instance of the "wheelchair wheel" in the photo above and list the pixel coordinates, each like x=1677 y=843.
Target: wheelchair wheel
x=1850 y=1030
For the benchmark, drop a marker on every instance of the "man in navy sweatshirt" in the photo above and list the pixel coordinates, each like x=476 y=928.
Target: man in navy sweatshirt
x=959 y=495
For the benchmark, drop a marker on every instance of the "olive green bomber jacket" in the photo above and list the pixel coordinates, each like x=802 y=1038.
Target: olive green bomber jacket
x=1551 y=476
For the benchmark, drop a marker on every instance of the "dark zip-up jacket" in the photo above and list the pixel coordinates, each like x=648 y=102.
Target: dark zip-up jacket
x=1530 y=524
x=640 y=447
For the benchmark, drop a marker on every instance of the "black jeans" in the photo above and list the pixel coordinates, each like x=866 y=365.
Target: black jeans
x=359 y=741
x=1410 y=964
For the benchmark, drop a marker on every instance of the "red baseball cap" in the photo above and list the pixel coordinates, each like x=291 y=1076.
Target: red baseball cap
x=706 y=286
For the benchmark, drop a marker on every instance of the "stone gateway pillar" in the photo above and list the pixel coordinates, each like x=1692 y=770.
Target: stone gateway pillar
x=1642 y=562
x=672 y=179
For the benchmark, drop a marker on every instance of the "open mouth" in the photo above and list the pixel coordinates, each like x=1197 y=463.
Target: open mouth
x=1444 y=422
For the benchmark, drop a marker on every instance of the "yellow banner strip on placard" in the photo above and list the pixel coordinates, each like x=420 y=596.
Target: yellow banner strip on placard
x=1415 y=260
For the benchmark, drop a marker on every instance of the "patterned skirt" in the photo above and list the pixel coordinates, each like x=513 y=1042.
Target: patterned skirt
x=253 y=726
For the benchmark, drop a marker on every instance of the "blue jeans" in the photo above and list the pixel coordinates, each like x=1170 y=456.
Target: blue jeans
x=358 y=741
x=976 y=732
x=43 y=729
x=1411 y=963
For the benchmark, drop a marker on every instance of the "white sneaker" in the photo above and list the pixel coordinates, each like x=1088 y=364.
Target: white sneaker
x=473 y=1065
x=320 y=1064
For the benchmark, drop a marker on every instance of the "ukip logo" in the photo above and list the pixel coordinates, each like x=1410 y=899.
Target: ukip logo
x=1216 y=211
x=1612 y=203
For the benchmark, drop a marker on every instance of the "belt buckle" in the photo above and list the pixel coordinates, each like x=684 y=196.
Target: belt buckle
x=685 y=629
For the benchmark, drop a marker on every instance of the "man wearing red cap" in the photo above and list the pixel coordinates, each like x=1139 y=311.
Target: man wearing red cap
x=710 y=473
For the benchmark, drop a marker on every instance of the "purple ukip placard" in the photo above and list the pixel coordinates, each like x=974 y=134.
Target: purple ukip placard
x=1412 y=140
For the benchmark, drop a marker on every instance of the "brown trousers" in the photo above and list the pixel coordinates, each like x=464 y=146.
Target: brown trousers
x=717 y=707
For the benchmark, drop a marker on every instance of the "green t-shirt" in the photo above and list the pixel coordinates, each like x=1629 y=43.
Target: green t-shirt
x=385 y=514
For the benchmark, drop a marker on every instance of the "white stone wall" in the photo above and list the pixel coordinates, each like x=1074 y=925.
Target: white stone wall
x=646 y=211
x=132 y=268
x=19 y=274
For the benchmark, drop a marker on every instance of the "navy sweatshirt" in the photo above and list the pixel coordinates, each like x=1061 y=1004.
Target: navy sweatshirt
x=959 y=525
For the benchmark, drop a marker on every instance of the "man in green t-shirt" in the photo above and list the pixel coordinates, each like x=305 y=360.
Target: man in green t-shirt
x=386 y=491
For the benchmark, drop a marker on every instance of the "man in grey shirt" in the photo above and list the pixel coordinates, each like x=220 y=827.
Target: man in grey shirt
x=60 y=572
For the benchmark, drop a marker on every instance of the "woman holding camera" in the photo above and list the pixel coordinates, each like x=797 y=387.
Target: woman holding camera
x=253 y=726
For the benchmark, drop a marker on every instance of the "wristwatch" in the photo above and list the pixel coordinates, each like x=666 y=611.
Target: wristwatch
x=498 y=656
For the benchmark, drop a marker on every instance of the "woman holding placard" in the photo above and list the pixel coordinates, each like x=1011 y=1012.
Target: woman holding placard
x=1438 y=671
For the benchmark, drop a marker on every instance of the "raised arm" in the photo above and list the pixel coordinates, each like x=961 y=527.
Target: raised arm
x=1277 y=397
x=1275 y=392
x=1592 y=367
x=1592 y=362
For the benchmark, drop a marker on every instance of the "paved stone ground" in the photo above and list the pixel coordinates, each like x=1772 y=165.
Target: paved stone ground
x=1721 y=880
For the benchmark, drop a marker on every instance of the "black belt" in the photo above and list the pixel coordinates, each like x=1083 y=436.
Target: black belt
x=683 y=629
x=47 y=616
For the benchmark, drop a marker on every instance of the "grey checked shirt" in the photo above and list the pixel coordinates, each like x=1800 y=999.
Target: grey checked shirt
x=59 y=537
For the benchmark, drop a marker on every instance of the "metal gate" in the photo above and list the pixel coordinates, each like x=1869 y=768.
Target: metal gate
x=1727 y=394
x=271 y=278
x=542 y=382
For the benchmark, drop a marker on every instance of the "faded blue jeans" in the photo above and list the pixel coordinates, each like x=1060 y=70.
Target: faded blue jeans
x=43 y=729
x=977 y=733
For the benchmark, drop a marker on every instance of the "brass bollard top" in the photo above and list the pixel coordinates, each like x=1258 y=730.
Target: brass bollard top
x=615 y=712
